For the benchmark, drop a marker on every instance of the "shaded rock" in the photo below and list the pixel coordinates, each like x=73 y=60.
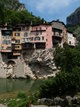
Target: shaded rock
x=74 y=18
x=45 y=101
x=58 y=101
x=68 y=100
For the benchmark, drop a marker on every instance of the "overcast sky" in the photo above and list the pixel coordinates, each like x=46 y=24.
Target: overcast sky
x=52 y=9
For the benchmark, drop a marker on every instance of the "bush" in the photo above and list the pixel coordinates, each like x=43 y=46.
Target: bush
x=67 y=81
x=21 y=95
x=63 y=84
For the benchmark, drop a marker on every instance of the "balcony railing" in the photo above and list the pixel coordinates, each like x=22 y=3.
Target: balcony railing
x=58 y=35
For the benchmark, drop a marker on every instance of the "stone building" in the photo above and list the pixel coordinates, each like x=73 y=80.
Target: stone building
x=59 y=33
x=41 y=36
x=71 y=39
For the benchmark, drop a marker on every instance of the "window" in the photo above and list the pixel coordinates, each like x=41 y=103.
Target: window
x=42 y=38
x=6 y=32
x=9 y=48
x=23 y=40
x=25 y=34
x=17 y=41
x=40 y=28
x=6 y=42
x=46 y=40
x=17 y=34
x=37 y=33
x=36 y=28
x=23 y=28
x=16 y=46
x=37 y=38
x=70 y=42
x=40 y=32
x=31 y=38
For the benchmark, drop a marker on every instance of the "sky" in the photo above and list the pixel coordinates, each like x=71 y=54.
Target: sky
x=52 y=9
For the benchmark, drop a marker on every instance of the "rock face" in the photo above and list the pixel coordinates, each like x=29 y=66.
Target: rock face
x=12 y=5
x=40 y=64
x=67 y=101
x=34 y=64
x=74 y=18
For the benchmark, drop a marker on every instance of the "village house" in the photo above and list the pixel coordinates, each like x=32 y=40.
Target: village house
x=41 y=36
x=16 y=41
x=71 y=39
x=45 y=36
x=59 y=33
x=26 y=38
x=6 y=39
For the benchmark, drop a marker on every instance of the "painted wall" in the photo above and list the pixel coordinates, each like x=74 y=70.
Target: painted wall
x=44 y=33
x=71 y=40
x=49 y=37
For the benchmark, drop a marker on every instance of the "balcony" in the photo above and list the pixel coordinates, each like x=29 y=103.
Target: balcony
x=16 y=47
x=8 y=49
x=58 y=34
x=16 y=53
x=41 y=28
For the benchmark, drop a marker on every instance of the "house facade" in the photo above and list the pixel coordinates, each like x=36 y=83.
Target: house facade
x=71 y=39
x=22 y=38
x=59 y=33
x=6 y=39
x=26 y=38
x=41 y=36
x=16 y=41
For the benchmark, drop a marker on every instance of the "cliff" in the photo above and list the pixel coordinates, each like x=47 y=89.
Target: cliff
x=34 y=64
x=74 y=18
x=12 y=5
x=13 y=13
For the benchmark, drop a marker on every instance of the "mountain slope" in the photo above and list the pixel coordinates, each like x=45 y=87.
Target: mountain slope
x=13 y=12
x=74 y=18
x=12 y=4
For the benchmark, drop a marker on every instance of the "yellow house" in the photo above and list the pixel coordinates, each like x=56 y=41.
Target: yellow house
x=16 y=41
x=6 y=36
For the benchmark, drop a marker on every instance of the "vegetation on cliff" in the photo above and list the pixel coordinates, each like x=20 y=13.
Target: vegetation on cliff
x=73 y=23
x=12 y=14
x=75 y=29
x=66 y=82
x=74 y=18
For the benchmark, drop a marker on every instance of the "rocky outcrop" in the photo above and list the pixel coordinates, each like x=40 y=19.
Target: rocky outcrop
x=40 y=64
x=67 y=101
x=34 y=64
x=12 y=5
x=74 y=18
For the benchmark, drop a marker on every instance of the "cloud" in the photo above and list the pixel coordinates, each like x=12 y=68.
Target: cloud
x=49 y=5
x=51 y=9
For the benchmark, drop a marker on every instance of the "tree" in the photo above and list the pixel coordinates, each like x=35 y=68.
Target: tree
x=67 y=58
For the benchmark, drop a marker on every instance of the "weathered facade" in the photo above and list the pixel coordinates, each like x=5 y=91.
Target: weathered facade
x=16 y=41
x=71 y=39
x=41 y=36
x=59 y=33
x=27 y=51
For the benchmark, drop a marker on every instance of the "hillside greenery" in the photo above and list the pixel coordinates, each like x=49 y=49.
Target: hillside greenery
x=76 y=30
x=13 y=17
x=67 y=81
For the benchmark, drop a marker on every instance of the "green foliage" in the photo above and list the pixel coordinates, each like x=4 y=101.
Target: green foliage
x=63 y=84
x=67 y=58
x=67 y=81
x=20 y=103
x=23 y=101
x=12 y=104
x=14 y=17
x=21 y=95
x=76 y=30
